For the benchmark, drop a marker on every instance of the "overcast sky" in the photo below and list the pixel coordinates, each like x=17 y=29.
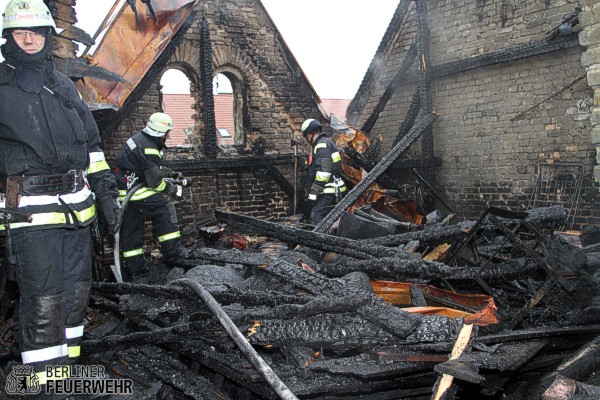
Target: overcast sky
x=332 y=40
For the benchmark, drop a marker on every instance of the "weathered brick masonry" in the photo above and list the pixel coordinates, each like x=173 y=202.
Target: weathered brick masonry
x=274 y=98
x=496 y=122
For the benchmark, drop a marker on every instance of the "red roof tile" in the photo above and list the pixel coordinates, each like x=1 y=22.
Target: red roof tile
x=179 y=107
x=336 y=107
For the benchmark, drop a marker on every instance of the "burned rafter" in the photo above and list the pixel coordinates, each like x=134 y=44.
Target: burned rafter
x=108 y=124
x=76 y=69
x=506 y=357
x=233 y=295
x=390 y=268
x=312 y=239
x=394 y=84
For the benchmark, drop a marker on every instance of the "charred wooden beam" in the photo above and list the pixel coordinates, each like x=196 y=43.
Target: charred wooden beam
x=312 y=239
x=326 y=224
x=390 y=268
x=394 y=84
x=233 y=295
x=568 y=389
x=231 y=365
x=158 y=336
x=255 y=359
x=537 y=333
x=77 y=34
x=583 y=363
x=502 y=56
x=370 y=368
x=203 y=164
x=436 y=233
x=506 y=357
x=287 y=187
x=76 y=69
x=363 y=162
x=409 y=119
x=160 y=365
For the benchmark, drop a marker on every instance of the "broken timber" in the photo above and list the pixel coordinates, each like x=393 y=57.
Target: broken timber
x=312 y=239
x=326 y=224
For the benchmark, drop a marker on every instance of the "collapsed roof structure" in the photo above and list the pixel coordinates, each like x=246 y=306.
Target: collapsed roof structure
x=402 y=302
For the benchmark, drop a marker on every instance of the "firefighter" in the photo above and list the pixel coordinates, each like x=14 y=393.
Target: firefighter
x=324 y=171
x=140 y=163
x=51 y=165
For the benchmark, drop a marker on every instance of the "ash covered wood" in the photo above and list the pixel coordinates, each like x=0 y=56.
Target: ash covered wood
x=379 y=325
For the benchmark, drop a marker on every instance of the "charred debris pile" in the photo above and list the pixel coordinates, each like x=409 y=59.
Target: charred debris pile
x=502 y=306
x=381 y=300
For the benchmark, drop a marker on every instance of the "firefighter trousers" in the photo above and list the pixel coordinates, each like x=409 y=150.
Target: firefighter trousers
x=164 y=226
x=54 y=274
x=323 y=205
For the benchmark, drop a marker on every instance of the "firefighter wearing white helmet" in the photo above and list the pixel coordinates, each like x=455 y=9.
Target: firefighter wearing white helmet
x=140 y=162
x=56 y=172
x=324 y=171
x=159 y=125
x=23 y=14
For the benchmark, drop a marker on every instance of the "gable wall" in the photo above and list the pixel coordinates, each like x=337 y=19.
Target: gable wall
x=279 y=99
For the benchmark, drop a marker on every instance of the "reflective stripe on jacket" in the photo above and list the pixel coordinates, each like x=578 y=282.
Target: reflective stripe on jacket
x=325 y=166
x=48 y=133
x=141 y=156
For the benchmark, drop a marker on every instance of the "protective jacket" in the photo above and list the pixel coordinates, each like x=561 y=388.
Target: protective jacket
x=325 y=169
x=50 y=162
x=140 y=161
x=49 y=143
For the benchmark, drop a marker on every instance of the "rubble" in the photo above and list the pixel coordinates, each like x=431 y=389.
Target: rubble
x=378 y=326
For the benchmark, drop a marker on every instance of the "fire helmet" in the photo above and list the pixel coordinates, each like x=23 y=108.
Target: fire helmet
x=159 y=124
x=310 y=125
x=23 y=14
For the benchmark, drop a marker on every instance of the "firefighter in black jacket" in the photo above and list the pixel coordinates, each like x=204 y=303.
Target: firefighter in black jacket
x=140 y=162
x=324 y=171
x=51 y=166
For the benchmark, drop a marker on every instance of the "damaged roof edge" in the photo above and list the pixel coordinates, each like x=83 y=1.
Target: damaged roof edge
x=133 y=58
x=370 y=78
x=316 y=97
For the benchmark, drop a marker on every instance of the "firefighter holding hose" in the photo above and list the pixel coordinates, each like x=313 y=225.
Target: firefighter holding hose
x=140 y=168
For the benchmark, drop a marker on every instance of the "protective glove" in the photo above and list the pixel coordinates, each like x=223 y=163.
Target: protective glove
x=111 y=209
x=315 y=190
x=175 y=191
x=176 y=175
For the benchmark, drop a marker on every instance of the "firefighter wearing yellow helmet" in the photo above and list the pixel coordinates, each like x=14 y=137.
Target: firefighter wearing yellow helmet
x=140 y=161
x=324 y=171
x=52 y=169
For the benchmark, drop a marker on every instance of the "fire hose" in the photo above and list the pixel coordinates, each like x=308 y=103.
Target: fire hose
x=116 y=267
x=255 y=359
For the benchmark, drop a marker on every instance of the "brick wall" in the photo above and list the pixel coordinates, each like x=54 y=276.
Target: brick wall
x=245 y=41
x=496 y=123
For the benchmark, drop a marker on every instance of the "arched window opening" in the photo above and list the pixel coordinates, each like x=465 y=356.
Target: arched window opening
x=229 y=81
x=178 y=102
x=224 y=118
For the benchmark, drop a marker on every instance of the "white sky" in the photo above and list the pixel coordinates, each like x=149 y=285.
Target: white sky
x=334 y=41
